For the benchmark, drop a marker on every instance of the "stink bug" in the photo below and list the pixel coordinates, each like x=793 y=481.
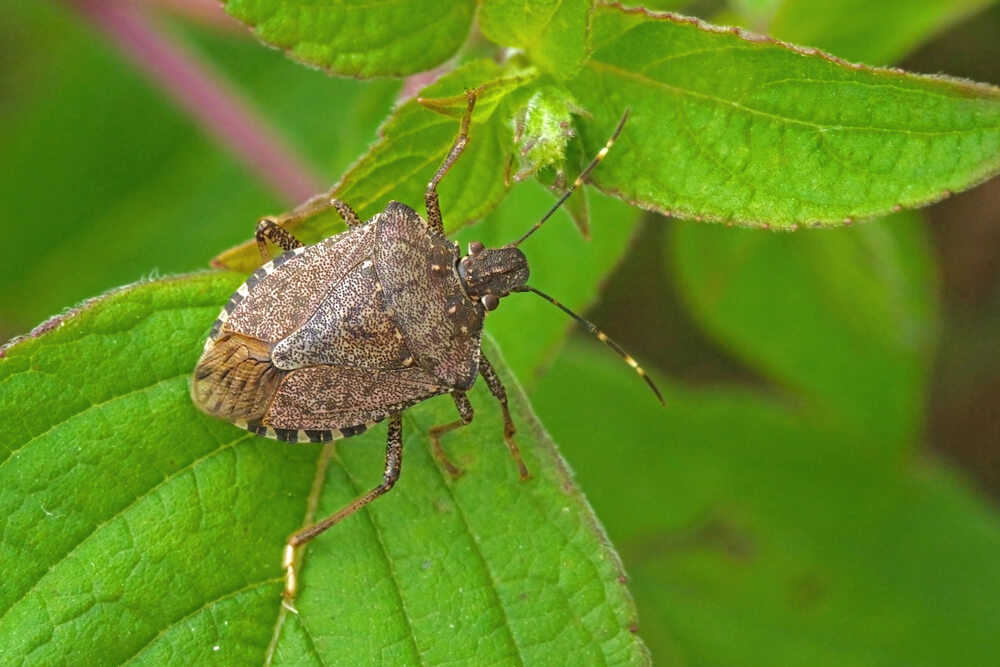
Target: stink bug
x=326 y=340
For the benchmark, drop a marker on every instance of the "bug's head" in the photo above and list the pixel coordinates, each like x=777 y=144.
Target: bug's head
x=492 y=273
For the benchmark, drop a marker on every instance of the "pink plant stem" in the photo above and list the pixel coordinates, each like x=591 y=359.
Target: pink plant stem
x=218 y=107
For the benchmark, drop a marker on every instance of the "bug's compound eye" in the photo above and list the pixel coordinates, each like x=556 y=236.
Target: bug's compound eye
x=475 y=248
x=490 y=301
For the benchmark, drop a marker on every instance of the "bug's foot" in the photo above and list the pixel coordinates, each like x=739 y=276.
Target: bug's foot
x=453 y=470
x=515 y=452
x=288 y=596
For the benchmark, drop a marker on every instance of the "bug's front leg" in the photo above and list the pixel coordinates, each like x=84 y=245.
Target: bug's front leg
x=434 y=220
x=498 y=391
x=393 y=463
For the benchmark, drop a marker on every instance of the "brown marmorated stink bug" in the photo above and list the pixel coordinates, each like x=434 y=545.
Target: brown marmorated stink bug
x=326 y=340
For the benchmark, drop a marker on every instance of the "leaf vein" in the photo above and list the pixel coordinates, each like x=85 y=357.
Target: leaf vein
x=87 y=409
x=120 y=512
x=205 y=605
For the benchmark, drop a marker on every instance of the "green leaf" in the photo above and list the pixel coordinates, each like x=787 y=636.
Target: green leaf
x=553 y=32
x=138 y=528
x=413 y=142
x=731 y=127
x=361 y=39
x=847 y=319
x=875 y=32
x=755 y=536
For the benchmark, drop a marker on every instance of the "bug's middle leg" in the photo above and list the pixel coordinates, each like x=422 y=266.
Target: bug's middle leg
x=393 y=463
x=498 y=391
x=434 y=220
x=465 y=411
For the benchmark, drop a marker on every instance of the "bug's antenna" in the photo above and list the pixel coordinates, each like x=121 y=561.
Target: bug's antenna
x=579 y=179
x=601 y=336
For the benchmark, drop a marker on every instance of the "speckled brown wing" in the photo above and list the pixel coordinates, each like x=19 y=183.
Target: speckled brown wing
x=235 y=378
x=344 y=398
x=282 y=295
x=416 y=267
x=350 y=327
x=301 y=324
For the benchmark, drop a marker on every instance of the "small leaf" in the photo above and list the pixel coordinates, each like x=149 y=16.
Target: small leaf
x=543 y=129
x=553 y=32
x=732 y=127
x=412 y=145
x=137 y=528
x=361 y=39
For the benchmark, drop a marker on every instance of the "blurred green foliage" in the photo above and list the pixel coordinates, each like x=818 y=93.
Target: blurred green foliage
x=756 y=534
x=86 y=184
x=795 y=519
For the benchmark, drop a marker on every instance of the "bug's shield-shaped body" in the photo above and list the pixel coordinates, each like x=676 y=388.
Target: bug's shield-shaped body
x=328 y=339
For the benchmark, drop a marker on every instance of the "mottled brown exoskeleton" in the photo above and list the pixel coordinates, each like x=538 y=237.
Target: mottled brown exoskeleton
x=326 y=340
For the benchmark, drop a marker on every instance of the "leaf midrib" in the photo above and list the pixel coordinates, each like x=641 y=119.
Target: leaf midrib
x=386 y=557
x=475 y=544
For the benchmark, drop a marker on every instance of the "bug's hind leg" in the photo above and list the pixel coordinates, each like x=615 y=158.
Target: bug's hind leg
x=434 y=220
x=346 y=213
x=497 y=389
x=465 y=412
x=393 y=462
x=274 y=229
